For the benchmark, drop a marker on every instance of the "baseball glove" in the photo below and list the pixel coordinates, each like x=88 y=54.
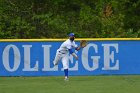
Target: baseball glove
x=83 y=43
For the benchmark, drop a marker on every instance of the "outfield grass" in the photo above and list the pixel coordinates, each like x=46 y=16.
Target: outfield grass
x=76 y=84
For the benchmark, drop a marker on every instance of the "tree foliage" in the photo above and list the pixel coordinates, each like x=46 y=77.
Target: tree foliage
x=57 y=18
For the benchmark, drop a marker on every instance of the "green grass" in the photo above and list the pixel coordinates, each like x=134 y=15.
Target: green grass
x=76 y=84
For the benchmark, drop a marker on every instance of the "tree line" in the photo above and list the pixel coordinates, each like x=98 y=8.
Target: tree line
x=56 y=18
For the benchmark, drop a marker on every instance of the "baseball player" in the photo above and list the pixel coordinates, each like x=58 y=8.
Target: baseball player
x=63 y=53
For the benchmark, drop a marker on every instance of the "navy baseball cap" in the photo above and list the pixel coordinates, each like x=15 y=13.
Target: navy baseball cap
x=71 y=34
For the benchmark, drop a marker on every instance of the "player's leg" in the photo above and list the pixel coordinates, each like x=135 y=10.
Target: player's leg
x=65 y=65
x=57 y=58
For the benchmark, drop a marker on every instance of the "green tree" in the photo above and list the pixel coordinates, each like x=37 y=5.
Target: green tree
x=57 y=18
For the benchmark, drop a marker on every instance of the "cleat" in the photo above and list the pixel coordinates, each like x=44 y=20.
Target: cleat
x=55 y=64
x=66 y=79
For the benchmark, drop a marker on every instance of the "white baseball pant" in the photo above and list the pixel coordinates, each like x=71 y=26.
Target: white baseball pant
x=63 y=57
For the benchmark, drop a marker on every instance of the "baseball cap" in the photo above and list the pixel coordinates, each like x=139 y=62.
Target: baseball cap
x=71 y=34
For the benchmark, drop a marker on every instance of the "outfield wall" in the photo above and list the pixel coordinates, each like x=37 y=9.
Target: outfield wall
x=33 y=57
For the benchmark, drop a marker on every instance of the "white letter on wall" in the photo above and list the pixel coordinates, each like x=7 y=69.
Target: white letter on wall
x=27 y=63
x=6 y=57
x=47 y=59
x=85 y=58
x=109 y=57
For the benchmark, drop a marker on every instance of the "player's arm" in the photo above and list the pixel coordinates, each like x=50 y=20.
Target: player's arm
x=78 y=48
x=73 y=54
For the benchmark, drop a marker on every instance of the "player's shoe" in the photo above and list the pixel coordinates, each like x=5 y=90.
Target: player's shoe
x=66 y=79
x=55 y=63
